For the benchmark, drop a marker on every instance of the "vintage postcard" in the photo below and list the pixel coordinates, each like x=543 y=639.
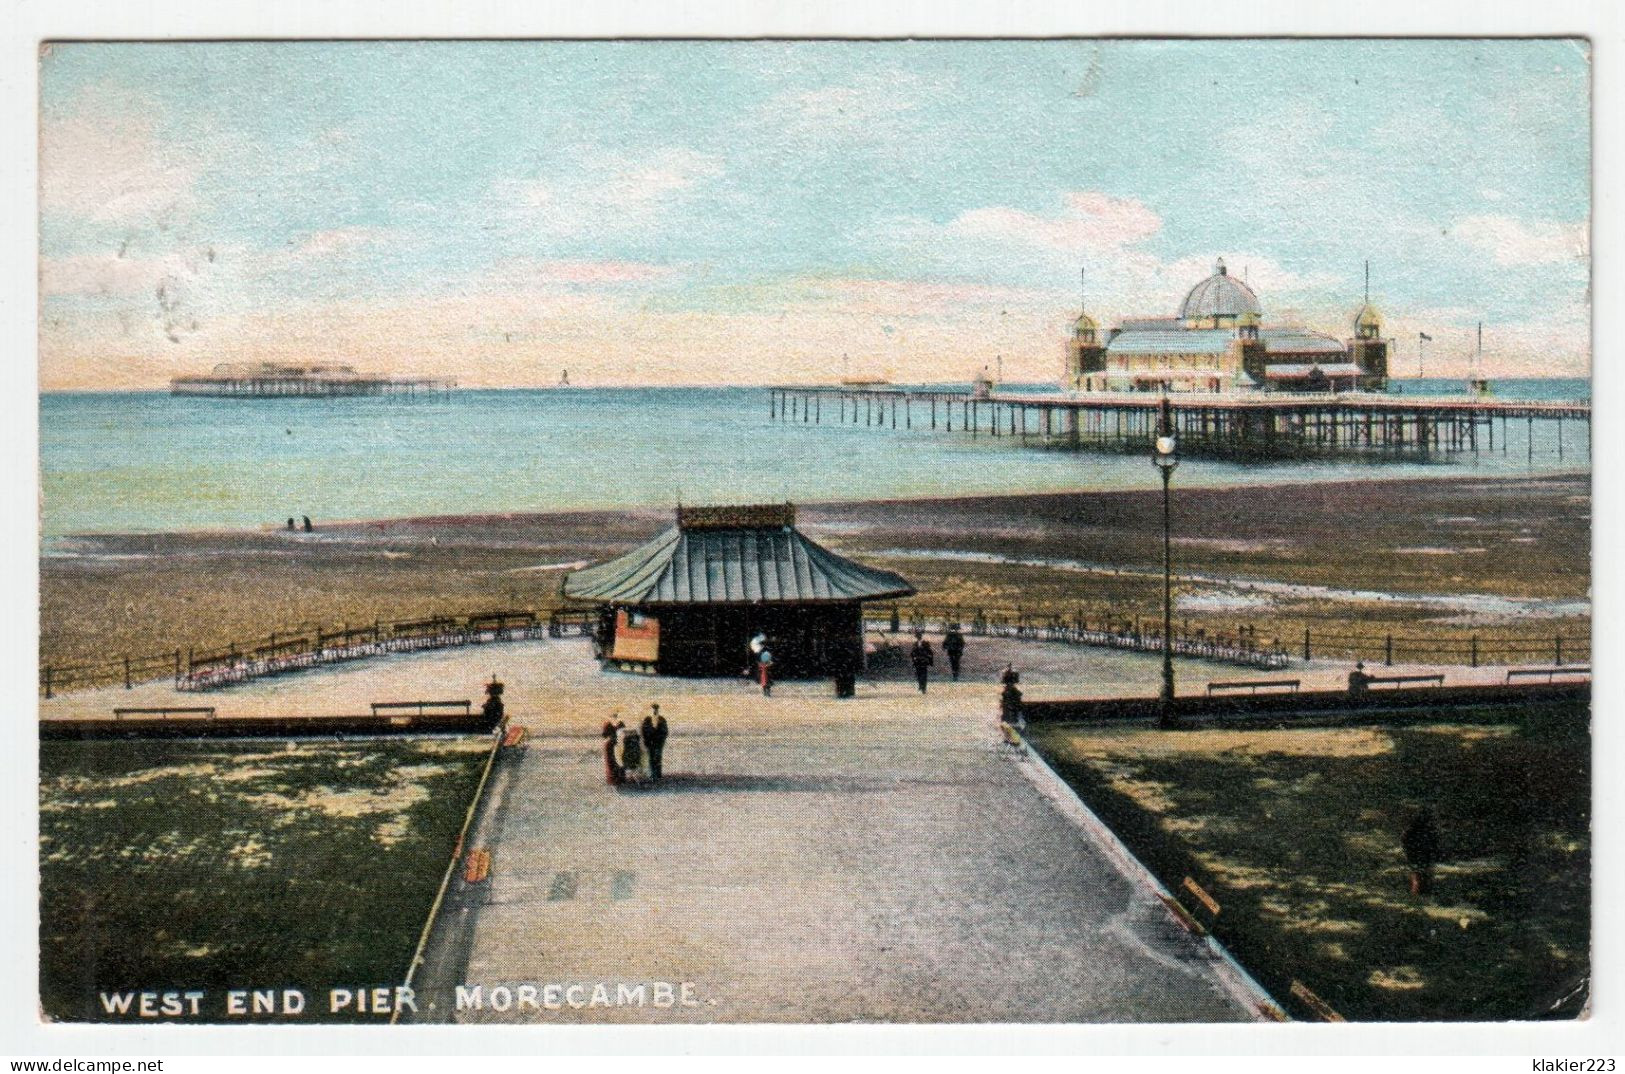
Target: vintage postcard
x=814 y=531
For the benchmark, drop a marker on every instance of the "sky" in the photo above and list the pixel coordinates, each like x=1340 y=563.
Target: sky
x=781 y=212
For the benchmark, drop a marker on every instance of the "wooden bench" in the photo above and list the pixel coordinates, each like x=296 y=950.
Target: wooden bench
x=1549 y=673
x=199 y=710
x=419 y=706
x=1398 y=680
x=1253 y=685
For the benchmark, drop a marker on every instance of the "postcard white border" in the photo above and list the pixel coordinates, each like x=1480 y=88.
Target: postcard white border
x=26 y=22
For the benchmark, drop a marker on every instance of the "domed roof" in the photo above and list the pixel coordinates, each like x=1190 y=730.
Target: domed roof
x=1368 y=315
x=1220 y=295
x=1084 y=323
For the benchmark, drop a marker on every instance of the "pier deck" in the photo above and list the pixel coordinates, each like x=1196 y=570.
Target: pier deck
x=1247 y=425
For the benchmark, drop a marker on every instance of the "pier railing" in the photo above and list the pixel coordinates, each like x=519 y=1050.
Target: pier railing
x=1249 y=425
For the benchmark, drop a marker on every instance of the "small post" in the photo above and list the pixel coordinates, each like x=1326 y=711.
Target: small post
x=1475 y=650
x=127 y=682
x=1306 y=653
x=47 y=681
x=1388 y=651
x=177 y=663
x=1557 y=649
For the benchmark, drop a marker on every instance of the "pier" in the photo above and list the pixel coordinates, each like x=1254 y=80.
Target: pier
x=1257 y=425
x=269 y=381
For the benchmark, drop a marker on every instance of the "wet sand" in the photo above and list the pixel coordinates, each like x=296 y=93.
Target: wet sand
x=1445 y=557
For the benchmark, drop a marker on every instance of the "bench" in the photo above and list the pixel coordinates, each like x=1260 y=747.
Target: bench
x=1253 y=685
x=205 y=711
x=419 y=706
x=1398 y=680
x=1549 y=673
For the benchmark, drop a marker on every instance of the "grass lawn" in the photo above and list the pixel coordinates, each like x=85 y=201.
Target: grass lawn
x=1296 y=835
x=214 y=866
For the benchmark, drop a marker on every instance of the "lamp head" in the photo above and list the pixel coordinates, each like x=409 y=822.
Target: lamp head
x=1165 y=451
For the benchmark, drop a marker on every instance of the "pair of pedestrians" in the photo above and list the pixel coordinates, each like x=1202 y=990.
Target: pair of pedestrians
x=922 y=656
x=634 y=755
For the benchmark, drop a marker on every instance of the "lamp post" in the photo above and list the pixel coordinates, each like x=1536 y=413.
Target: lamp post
x=1165 y=457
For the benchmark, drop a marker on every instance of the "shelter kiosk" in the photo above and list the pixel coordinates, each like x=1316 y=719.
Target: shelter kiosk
x=689 y=601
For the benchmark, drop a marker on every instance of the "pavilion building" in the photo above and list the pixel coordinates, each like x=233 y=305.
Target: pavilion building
x=1219 y=342
x=689 y=601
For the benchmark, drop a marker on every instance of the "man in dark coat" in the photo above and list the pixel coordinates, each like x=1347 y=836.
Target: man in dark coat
x=654 y=737
x=1421 y=845
x=953 y=643
x=922 y=657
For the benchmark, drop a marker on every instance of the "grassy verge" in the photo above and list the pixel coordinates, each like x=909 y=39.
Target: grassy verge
x=206 y=866
x=1296 y=835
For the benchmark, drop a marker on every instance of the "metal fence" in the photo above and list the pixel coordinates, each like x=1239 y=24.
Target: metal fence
x=1239 y=647
x=1240 y=644
x=304 y=646
x=307 y=645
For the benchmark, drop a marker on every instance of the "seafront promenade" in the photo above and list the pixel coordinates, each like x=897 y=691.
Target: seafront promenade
x=886 y=858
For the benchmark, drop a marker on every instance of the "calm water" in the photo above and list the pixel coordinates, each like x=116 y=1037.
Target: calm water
x=145 y=461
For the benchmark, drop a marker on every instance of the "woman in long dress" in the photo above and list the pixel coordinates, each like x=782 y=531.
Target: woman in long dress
x=612 y=765
x=764 y=661
x=632 y=756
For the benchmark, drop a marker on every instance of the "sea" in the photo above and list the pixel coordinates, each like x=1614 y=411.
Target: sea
x=135 y=462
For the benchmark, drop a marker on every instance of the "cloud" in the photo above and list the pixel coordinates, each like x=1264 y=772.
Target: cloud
x=103 y=275
x=1088 y=221
x=526 y=273
x=109 y=165
x=606 y=192
x=1512 y=241
x=336 y=242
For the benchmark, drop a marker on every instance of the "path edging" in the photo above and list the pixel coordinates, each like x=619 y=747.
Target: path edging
x=1232 y=974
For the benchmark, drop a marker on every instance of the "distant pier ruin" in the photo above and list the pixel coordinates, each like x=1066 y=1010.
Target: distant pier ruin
x=267 y=380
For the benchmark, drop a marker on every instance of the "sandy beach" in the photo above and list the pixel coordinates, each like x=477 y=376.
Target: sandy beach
x=1447 y=557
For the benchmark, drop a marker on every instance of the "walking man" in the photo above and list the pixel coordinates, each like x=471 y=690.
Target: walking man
x=953 y=643
x=922 y=658
x=654 y=738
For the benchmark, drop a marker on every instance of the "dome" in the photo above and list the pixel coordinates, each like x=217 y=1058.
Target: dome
x=1084 y=324
x=1368 y=317
x=1220 y=295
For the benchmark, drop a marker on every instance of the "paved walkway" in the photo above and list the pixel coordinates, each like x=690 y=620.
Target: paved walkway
x=884 y=858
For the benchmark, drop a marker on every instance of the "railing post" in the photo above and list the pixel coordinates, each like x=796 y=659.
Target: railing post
x=127 y=683
x=1557 y=649
x=1306 y=653
x=177 y=663
x=47 y=681
x=1388 y=651
x=1475 y=650
x=896 y=619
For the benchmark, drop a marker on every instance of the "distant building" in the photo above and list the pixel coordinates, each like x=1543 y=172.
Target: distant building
x=689 y=601
x=1218 y=342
